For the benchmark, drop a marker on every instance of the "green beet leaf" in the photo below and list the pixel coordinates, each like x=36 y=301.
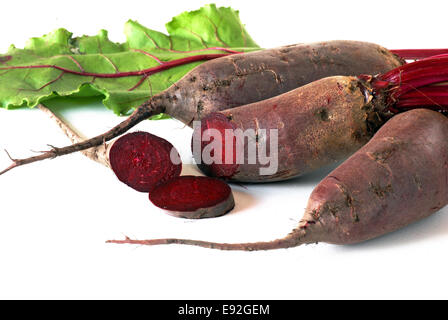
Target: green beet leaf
x=30 y=76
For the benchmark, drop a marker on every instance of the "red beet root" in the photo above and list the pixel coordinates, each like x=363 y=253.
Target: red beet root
x=217 y=165
x=142 y=161
x=194 y=197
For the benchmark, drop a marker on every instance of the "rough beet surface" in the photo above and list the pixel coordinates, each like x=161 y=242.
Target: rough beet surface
x=194 y=197
x=317 y=124
x=399 y=177
x=143 y=161
x=240 y=79
x=219 y=167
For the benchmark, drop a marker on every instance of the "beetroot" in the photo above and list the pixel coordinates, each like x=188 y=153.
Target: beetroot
x=299 y=131
x=142 y=161
x=217 y=166
x=194 y=197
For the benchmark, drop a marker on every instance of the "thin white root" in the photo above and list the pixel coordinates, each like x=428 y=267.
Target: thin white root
x=98 y=154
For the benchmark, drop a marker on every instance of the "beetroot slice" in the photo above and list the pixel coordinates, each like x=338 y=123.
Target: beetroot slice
x=142 y=160
x=194 y=197
x=223 y=169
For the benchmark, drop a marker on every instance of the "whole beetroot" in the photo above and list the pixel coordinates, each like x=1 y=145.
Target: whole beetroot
x=314 y=125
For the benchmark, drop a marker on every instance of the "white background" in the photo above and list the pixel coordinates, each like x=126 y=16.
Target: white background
x=56 y=215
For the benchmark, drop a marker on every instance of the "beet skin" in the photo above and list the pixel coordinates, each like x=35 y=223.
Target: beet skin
x=240 y=79
x=318 y=124
x=399 y=177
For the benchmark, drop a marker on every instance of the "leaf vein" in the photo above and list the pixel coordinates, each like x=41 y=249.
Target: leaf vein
x=143 y=78
x=215 y=27
x=45 y=85
x=197 y=35
x=111 y=62
x=149 y=55
x=77 y=63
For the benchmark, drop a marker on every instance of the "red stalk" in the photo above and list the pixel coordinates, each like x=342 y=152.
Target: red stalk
x=435 y=97
x=417 y=54
x=414 y=85
x=410 y=77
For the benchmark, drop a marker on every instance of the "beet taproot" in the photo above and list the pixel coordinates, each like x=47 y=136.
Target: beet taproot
x=193 y=197
x=143 y=161
x=240 y=79
x=399 y=177
x=314 y=125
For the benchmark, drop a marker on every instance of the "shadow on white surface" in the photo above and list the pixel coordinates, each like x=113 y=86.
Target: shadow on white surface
x=243 y=201
x=310 y=179
x=313 y=178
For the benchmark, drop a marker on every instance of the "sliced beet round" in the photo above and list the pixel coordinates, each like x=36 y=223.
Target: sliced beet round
x=142 y=160
x=194 y=197
x=226 y=165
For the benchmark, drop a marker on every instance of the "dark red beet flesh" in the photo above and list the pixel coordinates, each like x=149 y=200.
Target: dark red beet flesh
x=142 y=161
x=224 y=169
x=194 y=197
